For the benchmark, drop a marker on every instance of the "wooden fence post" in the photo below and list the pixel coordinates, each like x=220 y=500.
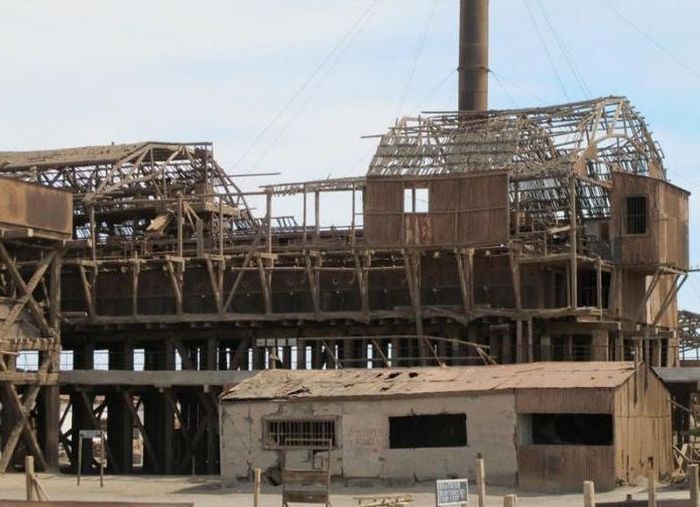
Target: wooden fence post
x=481 y=480
x=651 y=481
x=588 y=494
x=510 y=501
x=256 y=497
x=693 y=485
x=29 y=476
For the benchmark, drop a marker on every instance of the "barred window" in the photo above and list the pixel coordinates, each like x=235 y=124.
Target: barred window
x=302 y=433
x=636 y=215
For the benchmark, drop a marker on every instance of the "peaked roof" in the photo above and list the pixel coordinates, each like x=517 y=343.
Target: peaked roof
x=349 y=383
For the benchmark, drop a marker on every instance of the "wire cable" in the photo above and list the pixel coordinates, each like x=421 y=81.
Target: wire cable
x=546 y=50
x=297 y=111
x=416 y=57
x=321 y=65
x=500 y=76
x=653 y=41
x=568 y=58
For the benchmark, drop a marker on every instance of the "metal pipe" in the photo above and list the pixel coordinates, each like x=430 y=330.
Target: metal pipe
x=473 y=55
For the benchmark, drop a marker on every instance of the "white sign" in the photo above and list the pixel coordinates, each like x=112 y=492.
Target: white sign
x=90 y=433
x=451 y=492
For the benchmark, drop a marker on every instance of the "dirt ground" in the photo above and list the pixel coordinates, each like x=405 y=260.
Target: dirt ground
x=207 y=492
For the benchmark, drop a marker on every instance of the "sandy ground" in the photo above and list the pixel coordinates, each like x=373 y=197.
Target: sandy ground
x=207 y=492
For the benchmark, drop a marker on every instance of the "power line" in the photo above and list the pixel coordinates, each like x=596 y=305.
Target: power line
x=505 y=90
x=295 y=114
x=546 y=50
x=307 y=82
x=565 y=52
x=653 y=41
x=416 y=57
x=516 y=85
x=418 y=105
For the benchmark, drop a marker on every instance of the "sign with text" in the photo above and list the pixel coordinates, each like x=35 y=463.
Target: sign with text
x=451 y=492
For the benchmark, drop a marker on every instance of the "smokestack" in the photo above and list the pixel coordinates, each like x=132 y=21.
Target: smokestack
x=473 y=55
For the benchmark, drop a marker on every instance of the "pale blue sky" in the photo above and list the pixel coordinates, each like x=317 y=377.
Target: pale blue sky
x=93 y=72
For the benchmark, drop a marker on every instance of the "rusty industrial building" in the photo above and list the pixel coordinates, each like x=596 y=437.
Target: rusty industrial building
x=475 y=237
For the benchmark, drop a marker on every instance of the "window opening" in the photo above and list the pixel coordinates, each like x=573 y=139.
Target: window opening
x=440 y=430
x=416 y=200
x=300 y=433
x=571 y=429
x=636 y=215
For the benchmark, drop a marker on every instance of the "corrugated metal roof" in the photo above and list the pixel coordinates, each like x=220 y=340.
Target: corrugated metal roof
x=348 y=383
x=680 y=375
x=74 y=156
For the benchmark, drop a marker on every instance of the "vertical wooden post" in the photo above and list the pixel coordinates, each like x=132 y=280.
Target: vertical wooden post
x=317 y=213
x=693 y=485
x=510 y=501
x=93 y=239
x=588 y=494
x=80 y=457
x=256 y=497
x=481 y=480
x=268 y=219
x=573 y=240
x=221 y=228
x=304 y=220
x=29 y=476
x=651 y=480
x=102 y=459
x=352 y=220
x=179 y=226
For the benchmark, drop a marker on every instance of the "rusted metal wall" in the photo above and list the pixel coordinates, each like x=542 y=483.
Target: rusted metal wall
x=642 y=427
x=560 y=468
x=666 y=238
x=35 y=207
x=673 y=226
x=464 y=210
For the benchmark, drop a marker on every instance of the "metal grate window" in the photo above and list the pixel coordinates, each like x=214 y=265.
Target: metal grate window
x=636 y=215
x=303 y=433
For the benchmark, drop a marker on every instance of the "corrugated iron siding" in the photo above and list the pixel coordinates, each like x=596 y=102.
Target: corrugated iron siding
x=32 y=206
x=642 y=427
x=560 y=468
x=554 y=401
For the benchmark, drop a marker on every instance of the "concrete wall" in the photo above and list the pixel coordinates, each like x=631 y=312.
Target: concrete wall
x=363 y=435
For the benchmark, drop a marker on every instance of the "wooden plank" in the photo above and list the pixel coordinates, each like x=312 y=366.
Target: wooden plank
x=305 y=476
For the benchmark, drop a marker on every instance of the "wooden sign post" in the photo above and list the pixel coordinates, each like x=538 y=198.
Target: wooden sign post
x=91 y=435
x=451 y=492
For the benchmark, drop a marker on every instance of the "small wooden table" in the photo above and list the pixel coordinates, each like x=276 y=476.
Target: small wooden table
x=384 y=500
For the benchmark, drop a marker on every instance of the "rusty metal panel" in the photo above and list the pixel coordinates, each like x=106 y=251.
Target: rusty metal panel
x=642 y=427
x=483 y=215
x=418 y=229
x=562 y=468
x=383 y=212
x=666 y=238
x=30 y=206
x=573 y=400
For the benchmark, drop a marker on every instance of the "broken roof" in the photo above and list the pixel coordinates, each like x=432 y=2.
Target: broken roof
x=349 y=383
x=85 y=155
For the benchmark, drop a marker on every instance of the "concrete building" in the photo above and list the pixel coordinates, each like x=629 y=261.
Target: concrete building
x=540 y=426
